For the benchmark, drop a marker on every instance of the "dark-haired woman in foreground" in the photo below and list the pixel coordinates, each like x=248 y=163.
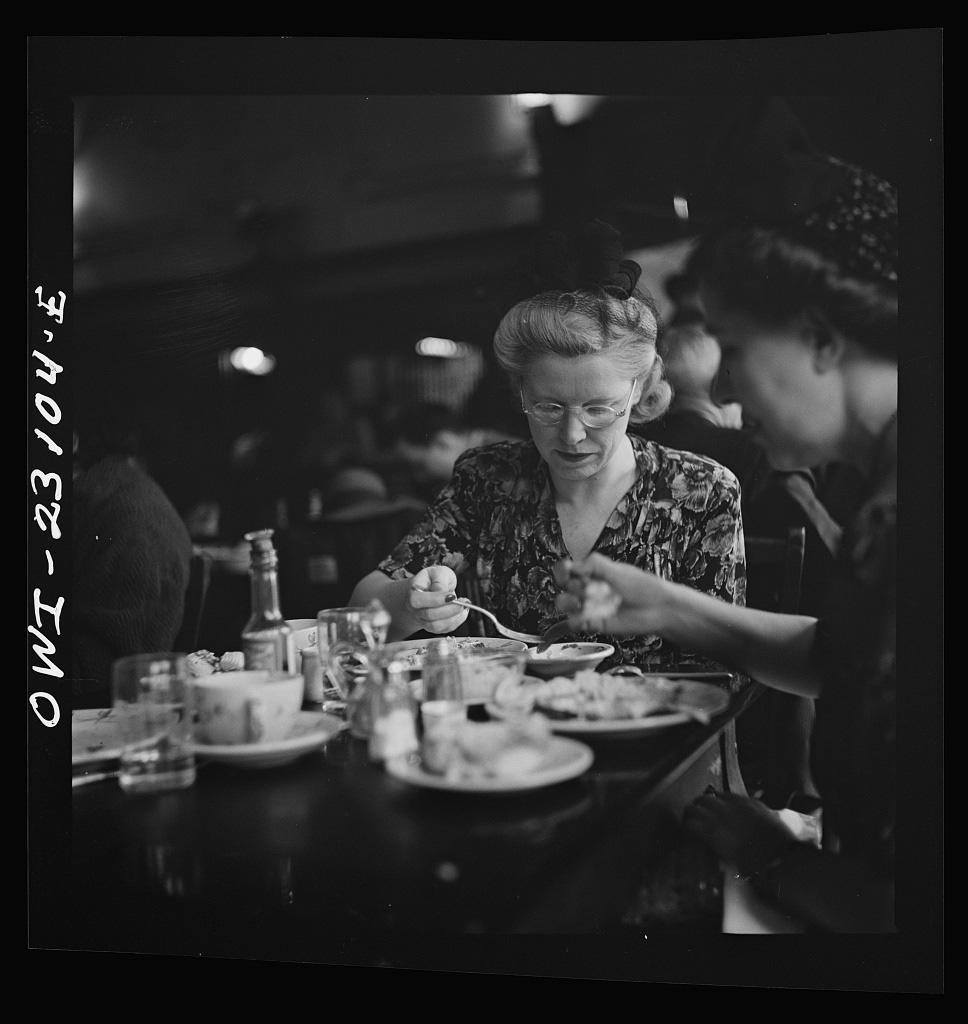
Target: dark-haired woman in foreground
x=805 y=311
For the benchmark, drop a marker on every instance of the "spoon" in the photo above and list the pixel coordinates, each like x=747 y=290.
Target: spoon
x=511 y=634
x=551 y=635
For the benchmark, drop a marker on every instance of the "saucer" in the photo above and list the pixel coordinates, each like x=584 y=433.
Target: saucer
x=95 y=736
x=310 y=731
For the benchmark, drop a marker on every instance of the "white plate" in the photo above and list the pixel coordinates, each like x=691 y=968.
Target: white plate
x=565 y=759
x=310 y=731
x=94 y=736
x=702 y=696
x=412 y=652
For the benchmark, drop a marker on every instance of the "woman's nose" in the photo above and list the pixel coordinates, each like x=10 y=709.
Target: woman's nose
x=571 y=430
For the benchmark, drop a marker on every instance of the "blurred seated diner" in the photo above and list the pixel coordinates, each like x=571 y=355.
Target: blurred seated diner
x=350 y=523
x=131 y=550
x=429 y=437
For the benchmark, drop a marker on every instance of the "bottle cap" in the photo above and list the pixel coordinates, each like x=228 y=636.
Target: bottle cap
x=263 y=554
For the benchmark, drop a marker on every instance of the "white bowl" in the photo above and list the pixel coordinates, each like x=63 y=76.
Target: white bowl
x=566 y=659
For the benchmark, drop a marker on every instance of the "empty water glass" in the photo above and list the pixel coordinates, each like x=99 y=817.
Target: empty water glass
x=152 y=699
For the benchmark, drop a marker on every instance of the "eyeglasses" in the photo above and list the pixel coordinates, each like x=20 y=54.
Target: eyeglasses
x=594 y=416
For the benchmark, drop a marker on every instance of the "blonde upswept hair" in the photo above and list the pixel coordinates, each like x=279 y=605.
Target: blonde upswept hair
x=582 y=322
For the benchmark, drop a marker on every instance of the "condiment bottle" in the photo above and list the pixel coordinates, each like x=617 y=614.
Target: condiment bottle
x=393 y=719
x=266 y=637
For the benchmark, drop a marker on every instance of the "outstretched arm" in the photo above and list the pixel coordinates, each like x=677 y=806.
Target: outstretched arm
x=777 y=650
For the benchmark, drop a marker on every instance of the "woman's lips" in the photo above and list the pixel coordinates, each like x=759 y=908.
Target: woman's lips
x=574 y=456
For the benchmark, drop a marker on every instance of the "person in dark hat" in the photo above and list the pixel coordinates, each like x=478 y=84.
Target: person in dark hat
x=800 y=289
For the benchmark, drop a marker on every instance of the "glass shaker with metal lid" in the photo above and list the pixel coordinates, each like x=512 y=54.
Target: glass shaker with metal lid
x=393 y=712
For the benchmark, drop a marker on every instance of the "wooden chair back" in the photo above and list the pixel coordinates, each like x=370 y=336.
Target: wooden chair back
x=774 y=567
x=196 y=595
x=777 y=736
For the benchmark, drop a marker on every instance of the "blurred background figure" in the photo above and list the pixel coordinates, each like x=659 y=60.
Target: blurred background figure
x=257 y=479
x=351 y=522
x=131 y=552
x=338 y=433
x=429 y=438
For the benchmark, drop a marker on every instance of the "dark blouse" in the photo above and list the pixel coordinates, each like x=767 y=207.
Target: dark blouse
x=497 y=518
x=853 y=750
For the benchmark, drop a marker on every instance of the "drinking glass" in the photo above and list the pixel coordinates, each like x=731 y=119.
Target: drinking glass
x=347 y=639
x=152 y=700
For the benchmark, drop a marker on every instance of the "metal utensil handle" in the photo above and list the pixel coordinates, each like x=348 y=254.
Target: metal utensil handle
x=527 y=638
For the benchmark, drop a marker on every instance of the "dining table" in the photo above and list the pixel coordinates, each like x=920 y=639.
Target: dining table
x=332 y=859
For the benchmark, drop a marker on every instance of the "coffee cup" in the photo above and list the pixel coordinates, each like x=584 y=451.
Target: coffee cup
x=303 y=635
x=250 y=706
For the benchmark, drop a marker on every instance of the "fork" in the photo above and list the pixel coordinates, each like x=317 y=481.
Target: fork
x=511 y=634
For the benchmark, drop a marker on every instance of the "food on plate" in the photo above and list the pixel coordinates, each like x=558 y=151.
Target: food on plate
x=595 y=696
x=466 y=647
x=464 y=749
x=205 y=663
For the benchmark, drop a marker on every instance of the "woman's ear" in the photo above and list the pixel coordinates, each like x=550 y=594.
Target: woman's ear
x=825 y=340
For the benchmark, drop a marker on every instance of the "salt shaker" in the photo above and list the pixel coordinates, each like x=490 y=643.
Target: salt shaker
x=442 y=708
x=312 y=672
x=393 y=718
x=441 y=670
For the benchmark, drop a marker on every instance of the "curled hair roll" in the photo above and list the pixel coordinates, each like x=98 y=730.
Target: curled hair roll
x=587 y=259
x=590 y=304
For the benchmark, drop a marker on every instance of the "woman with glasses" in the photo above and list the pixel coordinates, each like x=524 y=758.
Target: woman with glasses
x=582 y=359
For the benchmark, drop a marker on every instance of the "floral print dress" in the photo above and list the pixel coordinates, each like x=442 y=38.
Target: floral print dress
x=497 y=519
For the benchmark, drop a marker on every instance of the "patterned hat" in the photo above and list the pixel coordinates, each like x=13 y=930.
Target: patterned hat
x=857 y=225
x=765 y=172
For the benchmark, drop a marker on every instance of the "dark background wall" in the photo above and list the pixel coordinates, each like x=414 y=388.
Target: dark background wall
x=224 y=196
